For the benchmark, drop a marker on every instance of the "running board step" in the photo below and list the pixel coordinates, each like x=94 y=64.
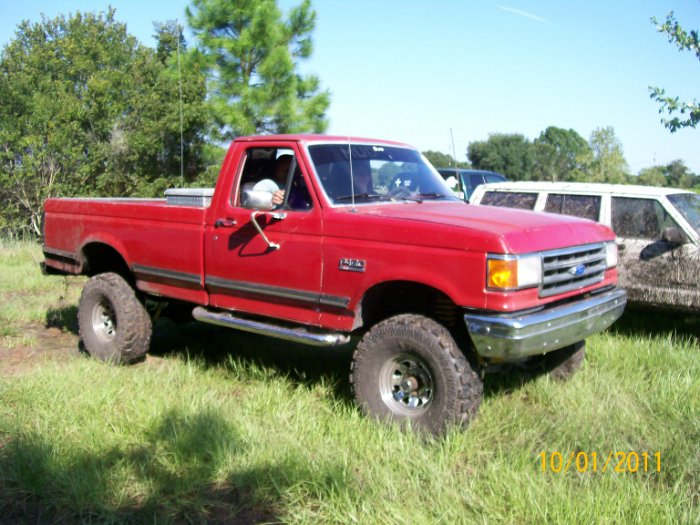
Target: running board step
x=296 y=335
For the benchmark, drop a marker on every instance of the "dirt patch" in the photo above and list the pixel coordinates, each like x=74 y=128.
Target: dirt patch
x=35 y=344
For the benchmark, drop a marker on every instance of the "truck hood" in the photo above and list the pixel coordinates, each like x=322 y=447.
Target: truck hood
x=460 y=225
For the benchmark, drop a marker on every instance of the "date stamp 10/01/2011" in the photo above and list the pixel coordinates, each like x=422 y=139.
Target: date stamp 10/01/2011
x=619 y=462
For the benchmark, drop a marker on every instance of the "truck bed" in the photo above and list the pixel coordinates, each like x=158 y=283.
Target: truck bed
x=147 y=233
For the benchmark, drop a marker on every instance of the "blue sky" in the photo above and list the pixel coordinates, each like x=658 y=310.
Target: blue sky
x=412 y=70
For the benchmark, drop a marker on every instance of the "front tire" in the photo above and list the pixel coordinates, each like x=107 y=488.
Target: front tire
x=562 y=364
x=114 y=326
x=409 y=369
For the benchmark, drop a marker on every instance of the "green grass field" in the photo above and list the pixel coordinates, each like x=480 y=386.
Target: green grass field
x=218 y=426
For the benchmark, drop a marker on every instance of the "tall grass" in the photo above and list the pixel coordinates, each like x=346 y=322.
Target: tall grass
x=25 y=294
x=222 y=427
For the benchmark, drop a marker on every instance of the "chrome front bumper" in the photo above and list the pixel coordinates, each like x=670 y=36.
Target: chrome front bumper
x=511 y=337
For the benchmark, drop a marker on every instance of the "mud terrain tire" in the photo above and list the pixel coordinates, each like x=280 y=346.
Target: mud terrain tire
x=114 y=326
x=409 y=369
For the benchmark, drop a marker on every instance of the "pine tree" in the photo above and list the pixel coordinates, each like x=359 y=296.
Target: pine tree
x=250 y=52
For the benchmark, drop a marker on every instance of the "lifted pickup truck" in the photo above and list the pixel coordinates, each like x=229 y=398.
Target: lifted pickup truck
x=366 y=240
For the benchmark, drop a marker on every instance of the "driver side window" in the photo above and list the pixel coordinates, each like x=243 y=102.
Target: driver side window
x=275 y=170
x=639 y=218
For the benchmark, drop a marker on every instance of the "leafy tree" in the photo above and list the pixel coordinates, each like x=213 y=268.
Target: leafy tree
x=213 y=157
x=673 y=175
x=678 y=175
x=510 y=154
x=180 y=92
x=547 y=164
x=170 y=40
x=85 y=110
x=443 y=160
x=608 y=163
x=689 y=111
x=251 y=52
x=561 y=155
x=653 y=176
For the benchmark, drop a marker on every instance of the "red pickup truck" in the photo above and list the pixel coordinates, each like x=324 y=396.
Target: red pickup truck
x=317 y=239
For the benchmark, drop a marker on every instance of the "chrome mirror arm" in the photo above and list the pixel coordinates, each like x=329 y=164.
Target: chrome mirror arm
x=275 y=215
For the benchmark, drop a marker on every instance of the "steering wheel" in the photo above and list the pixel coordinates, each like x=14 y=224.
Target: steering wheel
x=396 y=192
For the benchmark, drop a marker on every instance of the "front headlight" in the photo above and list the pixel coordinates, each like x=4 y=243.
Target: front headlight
x=512 y=272
x=610 y=254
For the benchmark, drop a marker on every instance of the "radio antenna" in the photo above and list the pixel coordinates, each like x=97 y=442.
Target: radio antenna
x=352 y=179
x=179 y=78
x=454 y=153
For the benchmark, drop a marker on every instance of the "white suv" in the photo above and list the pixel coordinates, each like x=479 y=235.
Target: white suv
x=658 y=232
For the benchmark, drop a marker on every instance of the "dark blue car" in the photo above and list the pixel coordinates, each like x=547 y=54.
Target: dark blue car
x=463 y=181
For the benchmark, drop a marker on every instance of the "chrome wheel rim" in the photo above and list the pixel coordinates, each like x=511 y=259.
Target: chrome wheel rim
x=104 y=321
x=406 y=385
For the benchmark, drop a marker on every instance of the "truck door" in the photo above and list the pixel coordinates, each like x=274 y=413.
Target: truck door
x=267 y=263
x=654 y=271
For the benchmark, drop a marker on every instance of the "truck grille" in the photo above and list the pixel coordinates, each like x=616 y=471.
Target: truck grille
x=572 y=268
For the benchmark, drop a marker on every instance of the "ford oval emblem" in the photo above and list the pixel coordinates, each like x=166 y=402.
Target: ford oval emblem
x=577 y=270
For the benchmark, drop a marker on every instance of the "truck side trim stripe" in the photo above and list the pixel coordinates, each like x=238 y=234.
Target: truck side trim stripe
x=334 y=300
x=60 y=253
x=192 y=278
x=276 y=291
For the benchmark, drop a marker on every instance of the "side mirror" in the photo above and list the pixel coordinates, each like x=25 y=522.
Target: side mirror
x=259 y=200
x=672 y=235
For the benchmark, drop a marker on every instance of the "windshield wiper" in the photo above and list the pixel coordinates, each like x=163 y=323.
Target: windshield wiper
x=433 y=195
x=420 y=197
x=412 y=198
x=361 y=196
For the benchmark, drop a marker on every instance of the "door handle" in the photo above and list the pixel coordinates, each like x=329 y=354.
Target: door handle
x=225 y=223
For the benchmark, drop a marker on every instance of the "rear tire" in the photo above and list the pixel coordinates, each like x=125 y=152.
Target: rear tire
x=114 y=326
x=409 y=369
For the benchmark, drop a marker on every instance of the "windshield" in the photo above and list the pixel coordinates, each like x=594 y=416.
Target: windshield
x=688 y=204
x=361 y=174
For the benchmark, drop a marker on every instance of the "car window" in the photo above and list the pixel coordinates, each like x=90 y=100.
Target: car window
x=279 y=169
x=584 y=206
x=639 y=218
x=688 y=204
x=475 y=179
x=493 y=178
x=451 y=180
x=508 y=199
x=372 y=174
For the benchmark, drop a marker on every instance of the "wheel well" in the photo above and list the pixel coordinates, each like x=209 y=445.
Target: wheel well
x=100 y=258
x=401 y=297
